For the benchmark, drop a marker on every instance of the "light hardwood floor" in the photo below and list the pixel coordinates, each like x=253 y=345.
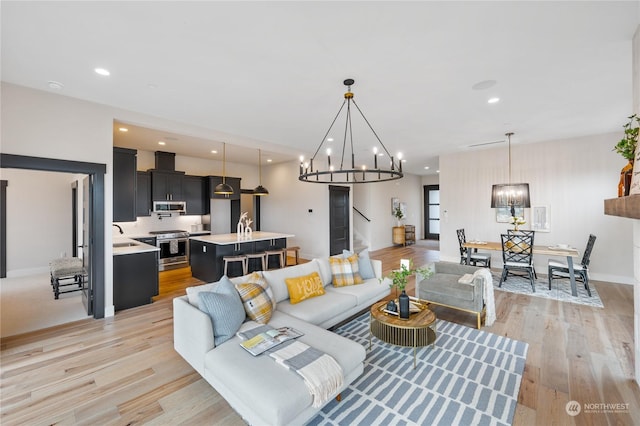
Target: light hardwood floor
x=124 y=371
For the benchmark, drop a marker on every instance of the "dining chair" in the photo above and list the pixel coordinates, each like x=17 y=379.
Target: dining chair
x=483 y=258
x=525 y=232
x=581 y=271
x=517 y=256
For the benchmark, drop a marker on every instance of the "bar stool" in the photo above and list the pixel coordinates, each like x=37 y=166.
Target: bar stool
x=263 y=261
x=281 y=253
x=235 y=258
x=296 y=251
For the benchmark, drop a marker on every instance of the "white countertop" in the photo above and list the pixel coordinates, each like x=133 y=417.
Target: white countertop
x=136 y=247
x=224 y=239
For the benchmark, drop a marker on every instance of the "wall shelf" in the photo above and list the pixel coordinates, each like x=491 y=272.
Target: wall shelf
x=623 y=206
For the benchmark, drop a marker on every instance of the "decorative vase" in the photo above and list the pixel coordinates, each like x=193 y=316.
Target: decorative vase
x=403 y=301
x=625 y=179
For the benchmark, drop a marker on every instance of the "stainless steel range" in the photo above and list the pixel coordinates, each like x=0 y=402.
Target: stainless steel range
x=174 y=249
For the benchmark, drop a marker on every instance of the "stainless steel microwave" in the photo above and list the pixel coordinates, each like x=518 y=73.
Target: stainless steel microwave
x=170 y=207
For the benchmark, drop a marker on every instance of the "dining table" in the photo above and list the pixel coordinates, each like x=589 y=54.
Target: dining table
x=568 y=252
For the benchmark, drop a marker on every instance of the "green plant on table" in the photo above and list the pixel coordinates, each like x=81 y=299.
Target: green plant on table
x=627 y=145
x=399 y=277
x=398 y=213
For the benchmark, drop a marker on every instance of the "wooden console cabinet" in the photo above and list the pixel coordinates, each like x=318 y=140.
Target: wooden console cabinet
x=404 y=235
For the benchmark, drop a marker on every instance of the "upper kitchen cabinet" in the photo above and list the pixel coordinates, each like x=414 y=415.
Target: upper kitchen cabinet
x=166 y=185
x=231 y=181
x=143 y=195
x=124 y=184
x=196 y=194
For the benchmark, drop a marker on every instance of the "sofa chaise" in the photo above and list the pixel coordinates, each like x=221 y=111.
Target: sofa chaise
x=259 y=390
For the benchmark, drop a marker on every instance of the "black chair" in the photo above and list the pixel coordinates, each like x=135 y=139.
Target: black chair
x=483 y=258
x=581 y=271
x=525 y=232
x=517 y=256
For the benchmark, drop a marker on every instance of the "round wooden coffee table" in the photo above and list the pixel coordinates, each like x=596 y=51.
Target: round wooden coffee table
x=419 y=330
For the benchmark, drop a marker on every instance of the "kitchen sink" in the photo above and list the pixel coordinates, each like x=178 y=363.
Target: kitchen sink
x=115 y=245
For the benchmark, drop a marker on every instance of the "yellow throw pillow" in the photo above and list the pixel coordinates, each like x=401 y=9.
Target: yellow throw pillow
x=345 y=270
x=256 y=301
x=304 y=287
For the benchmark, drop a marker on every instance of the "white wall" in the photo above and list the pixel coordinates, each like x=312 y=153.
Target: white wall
x=572 y=176
x=289 y=202
x=35 y=200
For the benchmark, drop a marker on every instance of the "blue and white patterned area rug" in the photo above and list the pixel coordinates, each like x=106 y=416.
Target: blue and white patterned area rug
x=471 y=377
x=560 y=289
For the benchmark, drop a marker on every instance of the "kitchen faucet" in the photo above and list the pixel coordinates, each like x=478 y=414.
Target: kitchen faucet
x=118 y=226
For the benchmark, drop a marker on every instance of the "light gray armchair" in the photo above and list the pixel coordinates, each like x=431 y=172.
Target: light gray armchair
x=442 y=288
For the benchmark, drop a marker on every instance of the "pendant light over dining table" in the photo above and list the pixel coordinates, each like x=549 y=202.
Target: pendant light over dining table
x=223 y=188
x=383 y=167
x=512 y=195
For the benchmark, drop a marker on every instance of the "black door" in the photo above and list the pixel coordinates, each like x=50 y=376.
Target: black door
x=432 y=212
x=339 y=226
x=87 y=285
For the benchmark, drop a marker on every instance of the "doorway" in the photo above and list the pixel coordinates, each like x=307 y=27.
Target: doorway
x=432 y=212
x=339 y=223
x=96 y=223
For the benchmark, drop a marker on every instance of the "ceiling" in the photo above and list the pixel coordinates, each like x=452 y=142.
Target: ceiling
x=269 y=74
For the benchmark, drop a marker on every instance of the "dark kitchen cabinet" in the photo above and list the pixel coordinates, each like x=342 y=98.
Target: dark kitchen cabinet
x=166 y=185
x=196 y=194
x=143 y=194
x=135 y=279
x=231 y=181
x=124 y=184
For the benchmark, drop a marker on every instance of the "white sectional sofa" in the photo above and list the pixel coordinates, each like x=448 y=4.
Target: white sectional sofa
x=260 y=390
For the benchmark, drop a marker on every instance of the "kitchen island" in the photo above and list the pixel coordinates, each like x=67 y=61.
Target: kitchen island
x=207 y=251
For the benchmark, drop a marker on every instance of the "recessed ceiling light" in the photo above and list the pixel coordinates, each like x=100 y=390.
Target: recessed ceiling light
x=437 y=171
x=56 y=85
x=162 y=143
x=269 y=160
x=214 y=151
x=485 y=84
x=102 y=71
x=493 y=100
x=329 y=139
x=426 y=167
x=123 y=129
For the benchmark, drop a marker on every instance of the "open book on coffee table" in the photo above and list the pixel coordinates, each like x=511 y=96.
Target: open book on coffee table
x=268 y=339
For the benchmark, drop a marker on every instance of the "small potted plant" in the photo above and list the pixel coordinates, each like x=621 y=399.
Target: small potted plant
x=397 y=212
x=627 y=148
x=399 y=279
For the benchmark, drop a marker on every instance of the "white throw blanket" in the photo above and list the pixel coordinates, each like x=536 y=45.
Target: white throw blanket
x=321 y=373
x=489 y=301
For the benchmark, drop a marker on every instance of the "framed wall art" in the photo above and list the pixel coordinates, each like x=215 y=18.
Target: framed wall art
x=395 y=203
x=540 y=220
x=503 y=214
